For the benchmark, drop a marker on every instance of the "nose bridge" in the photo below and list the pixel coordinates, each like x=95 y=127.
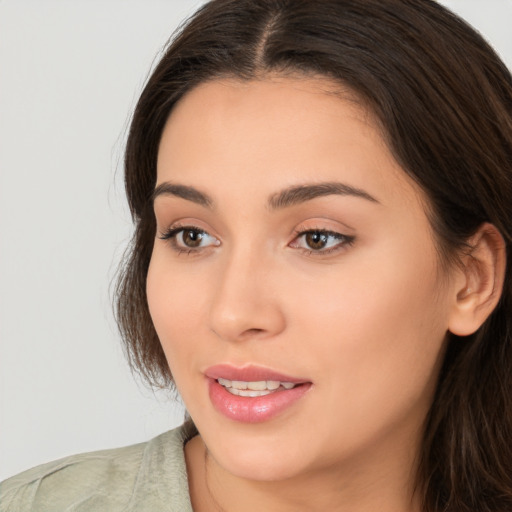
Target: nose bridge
x=245 y=303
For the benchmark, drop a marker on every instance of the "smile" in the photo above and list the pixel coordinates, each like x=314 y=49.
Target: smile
x=254 y=388
x=253 y=394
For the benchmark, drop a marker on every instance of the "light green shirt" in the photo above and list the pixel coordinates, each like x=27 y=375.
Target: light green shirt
x=146 y=477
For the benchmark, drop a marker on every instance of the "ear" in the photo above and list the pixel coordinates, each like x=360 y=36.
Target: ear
x=479 y=285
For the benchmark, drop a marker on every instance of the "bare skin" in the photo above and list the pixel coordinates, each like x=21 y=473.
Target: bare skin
x=363 y=315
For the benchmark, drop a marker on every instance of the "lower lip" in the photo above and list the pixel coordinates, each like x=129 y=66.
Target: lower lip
x=253 y=409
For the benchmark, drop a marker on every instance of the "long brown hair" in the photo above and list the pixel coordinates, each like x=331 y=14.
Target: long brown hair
x=444 y=102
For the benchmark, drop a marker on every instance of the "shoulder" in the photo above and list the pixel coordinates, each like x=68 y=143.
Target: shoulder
x=145 y=476
x=60 y=484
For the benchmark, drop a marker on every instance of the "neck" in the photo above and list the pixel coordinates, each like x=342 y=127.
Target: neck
x=382 y=484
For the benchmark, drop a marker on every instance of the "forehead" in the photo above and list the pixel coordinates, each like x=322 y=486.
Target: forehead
x=276 y=132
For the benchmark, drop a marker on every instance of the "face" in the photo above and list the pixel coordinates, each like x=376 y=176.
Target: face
x=294 y=282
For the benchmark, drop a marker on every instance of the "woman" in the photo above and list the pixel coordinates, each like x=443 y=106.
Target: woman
x=321 y=264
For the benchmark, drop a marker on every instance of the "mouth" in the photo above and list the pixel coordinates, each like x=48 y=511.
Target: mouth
x=253 y=394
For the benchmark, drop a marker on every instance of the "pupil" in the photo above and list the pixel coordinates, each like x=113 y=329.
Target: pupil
x=192 y=238
x=316 y=240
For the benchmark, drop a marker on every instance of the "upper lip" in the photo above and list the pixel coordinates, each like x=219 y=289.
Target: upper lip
x=249 y=373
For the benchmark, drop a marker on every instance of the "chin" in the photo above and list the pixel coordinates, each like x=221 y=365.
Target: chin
x=258 y=459
x=261 y=467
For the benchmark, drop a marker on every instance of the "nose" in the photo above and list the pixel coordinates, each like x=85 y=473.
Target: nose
x=246 y=302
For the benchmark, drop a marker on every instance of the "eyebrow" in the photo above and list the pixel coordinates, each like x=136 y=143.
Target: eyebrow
x=302 y=193
x=183 y=191
x=288 y=197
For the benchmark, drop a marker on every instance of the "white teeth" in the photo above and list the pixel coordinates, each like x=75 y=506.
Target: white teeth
x=255 y=388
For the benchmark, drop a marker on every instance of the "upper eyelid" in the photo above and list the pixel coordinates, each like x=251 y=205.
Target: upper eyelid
x=341 y=230
x=328 y=232
x=175 y=229
x=319 y=230
x=180 y=224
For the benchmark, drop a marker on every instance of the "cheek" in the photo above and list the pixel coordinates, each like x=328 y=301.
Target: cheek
x=173 y=304
x=377 y=337
x=374 y=300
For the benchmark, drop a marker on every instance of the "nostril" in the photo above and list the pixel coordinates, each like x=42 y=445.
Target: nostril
x=254 y=331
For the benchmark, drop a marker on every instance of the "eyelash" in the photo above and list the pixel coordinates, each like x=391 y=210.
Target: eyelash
x=171 y=234
x=344 y=240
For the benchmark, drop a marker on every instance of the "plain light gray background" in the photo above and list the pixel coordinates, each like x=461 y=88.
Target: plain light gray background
x=70 y=73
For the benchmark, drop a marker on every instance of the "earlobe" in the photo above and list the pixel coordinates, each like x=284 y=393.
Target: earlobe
x=481 y=281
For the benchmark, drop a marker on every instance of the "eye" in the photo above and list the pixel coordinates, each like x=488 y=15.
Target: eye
x=189 y=238
x=321 y=241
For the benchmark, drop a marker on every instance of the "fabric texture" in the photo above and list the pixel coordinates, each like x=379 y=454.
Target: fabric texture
x=146 y=477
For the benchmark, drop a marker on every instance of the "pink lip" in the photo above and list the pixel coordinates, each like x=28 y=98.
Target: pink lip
x=249 y=373
x=252 y=409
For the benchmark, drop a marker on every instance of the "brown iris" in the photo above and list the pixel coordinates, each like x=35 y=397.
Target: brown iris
x=192 y=237
x=316 y=239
